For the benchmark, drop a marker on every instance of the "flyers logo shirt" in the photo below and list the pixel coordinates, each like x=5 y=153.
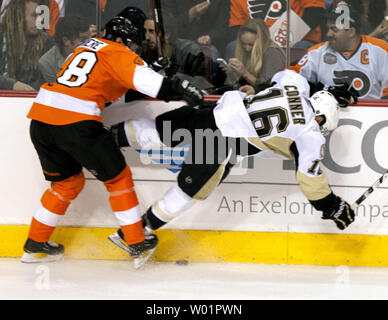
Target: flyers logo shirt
x=365 y=69
x=270 y=11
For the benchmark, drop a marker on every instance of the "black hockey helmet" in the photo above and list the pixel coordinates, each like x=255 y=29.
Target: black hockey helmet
x=123 y=28
x=136 y=16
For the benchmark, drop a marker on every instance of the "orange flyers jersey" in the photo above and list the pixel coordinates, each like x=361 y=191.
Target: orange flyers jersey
x=365 y=68
x=57 y=12
x=270 y=10
x=97 y=72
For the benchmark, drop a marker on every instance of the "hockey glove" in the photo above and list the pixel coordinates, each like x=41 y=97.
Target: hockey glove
x=176 y=89
x=187 y=92
x=344 y=94
x=192 y=95
x=340 y=212
x=161 y=64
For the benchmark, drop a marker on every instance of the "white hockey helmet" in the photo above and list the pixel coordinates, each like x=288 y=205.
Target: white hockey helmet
x=326 y=105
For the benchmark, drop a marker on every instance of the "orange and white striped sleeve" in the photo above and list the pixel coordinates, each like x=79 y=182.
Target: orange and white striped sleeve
x=134 y=73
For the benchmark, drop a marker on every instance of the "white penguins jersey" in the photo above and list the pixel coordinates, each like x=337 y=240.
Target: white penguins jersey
x=280 y=122
x=365 y=69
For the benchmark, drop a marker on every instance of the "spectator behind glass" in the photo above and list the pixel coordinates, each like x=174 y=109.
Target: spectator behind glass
x=70 y=33
x=186 y=58
x=347 y=59
x=206 y=22
x=311 y=11
x=56 y=10
x=257 y=58
x=21 y=46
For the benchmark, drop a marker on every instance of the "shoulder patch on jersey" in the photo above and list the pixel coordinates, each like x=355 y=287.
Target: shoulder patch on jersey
x=138 y=61
x=329 y=58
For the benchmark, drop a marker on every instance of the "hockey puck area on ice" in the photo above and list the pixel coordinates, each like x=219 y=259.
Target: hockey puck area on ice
x=182 y=262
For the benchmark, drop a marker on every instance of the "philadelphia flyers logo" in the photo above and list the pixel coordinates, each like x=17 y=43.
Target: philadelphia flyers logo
x=138 y=61
x=357 y=79
x=276 y=9
x=266 y=9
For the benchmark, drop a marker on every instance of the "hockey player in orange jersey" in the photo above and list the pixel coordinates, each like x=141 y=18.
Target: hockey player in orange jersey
x=68 y=135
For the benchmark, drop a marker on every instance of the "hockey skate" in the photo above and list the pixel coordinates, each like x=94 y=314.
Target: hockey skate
x=118 y=237
x=140 y=252
x=35 y=252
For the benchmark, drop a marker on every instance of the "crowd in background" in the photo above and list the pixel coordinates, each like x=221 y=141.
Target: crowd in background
x=216 y=44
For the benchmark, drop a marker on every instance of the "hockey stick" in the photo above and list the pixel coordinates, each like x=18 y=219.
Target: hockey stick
x=370 y=190
x=159 y=27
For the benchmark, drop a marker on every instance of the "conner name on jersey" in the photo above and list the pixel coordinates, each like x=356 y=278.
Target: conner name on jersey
x=295 y=104
x=94 y=44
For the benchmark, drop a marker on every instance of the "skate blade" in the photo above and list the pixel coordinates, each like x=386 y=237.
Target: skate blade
x=115 y=239
x=39 y=257
x=140 y=261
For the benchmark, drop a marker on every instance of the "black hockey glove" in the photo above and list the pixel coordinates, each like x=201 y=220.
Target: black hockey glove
x=161 y=64
x=340 y=212
x=192 y=95
x=176 y=89
x=344 y=94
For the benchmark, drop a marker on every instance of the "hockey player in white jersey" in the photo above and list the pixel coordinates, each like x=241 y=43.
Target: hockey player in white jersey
x=347 y=58
x=281 y=121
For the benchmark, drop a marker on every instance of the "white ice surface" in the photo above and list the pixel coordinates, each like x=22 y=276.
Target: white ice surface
x=97 y=280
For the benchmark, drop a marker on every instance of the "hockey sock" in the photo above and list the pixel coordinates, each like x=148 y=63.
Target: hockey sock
x=46 y=218
x=173 y=203
x=54 y=204
x=125 y=206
